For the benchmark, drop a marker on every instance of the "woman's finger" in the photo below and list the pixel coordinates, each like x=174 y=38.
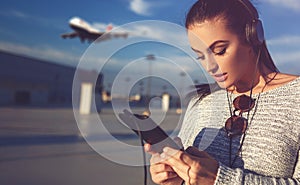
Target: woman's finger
x=148 y=149
x=161 y=173
x=177 y=160
x=192 y=166
x=160 y=167
x=156 y=158
x=164 y=176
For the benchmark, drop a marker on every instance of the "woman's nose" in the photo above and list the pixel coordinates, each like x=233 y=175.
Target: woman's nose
x=211 y=66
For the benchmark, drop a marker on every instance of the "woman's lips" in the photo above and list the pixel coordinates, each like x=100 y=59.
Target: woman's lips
x=220 y=77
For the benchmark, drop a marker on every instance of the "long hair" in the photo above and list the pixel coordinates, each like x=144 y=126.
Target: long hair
x=236 y=16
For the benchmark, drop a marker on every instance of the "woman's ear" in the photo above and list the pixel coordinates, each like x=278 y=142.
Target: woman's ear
x=252 y=52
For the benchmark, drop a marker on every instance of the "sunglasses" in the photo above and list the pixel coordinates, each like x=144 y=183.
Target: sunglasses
x=236 y=124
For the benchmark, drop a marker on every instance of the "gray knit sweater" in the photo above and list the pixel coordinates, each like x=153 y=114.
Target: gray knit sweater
x=270 y=152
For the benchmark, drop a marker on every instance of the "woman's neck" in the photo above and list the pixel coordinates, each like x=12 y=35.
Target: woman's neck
x=257 y=85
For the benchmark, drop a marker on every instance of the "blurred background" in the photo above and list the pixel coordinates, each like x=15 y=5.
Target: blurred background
x=41 y=45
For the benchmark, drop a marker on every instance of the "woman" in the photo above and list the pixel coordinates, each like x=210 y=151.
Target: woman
x=247 y=132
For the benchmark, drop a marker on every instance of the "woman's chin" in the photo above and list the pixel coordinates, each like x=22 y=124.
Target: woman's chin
x=222 y=85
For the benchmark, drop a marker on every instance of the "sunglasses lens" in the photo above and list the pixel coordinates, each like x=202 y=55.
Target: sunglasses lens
x=235 y=125
x=243 y=103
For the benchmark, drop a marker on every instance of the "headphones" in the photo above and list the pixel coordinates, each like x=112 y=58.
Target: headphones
x=254 y=29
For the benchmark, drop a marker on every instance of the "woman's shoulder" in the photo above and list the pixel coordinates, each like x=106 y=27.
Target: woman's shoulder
x=282 y=82
x=282 y=79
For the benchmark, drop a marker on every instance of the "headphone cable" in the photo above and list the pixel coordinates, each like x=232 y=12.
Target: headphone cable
x=143 y=152
x=144 y=161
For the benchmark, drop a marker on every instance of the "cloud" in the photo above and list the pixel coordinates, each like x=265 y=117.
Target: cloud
x=288 y=62
x=161 y=31
x=291 y=4
x=140 y=7
x=285 y=51
x=29 y=18
x=15 y=13
x=285 y=40
x=19 y=14
x=285 y=58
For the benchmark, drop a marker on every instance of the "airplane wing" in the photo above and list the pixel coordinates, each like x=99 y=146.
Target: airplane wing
x=117 y=35
x=69 y=35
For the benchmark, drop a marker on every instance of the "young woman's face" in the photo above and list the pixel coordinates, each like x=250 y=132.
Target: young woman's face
x=229 y=61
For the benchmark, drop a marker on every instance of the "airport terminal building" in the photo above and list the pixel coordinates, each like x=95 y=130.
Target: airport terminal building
x=26 y=81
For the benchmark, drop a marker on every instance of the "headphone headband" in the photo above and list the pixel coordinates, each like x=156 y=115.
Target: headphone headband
x=249 y=7
x=254 y=29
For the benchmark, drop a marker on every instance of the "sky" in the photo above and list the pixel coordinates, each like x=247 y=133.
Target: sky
x=33 y=28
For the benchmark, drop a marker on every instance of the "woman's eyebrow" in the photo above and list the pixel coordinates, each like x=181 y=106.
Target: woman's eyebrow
x=212 y=46
x=196 y=50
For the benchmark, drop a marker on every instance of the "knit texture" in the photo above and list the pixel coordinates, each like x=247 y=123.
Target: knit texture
x=270 y=152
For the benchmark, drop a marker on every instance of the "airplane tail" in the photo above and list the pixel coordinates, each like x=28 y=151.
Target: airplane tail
x=109 y=28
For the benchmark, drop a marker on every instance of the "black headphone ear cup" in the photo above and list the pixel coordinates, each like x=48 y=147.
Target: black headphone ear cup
x=260 y=37
x=255 y=33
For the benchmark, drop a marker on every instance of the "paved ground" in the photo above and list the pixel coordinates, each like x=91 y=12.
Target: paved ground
x=44 y=146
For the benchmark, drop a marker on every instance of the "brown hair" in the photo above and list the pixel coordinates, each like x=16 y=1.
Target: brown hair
x=236 y=15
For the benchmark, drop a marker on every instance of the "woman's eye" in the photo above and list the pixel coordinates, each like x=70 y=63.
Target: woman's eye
x=222 y=52
x=200 y=57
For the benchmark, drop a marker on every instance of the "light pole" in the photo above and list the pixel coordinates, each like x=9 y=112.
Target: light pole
x=181 y=90
x=149 y=58
x=127 y=79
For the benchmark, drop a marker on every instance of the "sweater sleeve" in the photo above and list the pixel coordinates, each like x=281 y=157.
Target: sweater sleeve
x=188 y=124
x=237 y=176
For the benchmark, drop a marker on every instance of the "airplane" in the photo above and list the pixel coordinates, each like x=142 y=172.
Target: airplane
x=85 y=31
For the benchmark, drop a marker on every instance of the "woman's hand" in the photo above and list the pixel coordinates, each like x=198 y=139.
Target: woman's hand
x=162 y=173
x=193 y=166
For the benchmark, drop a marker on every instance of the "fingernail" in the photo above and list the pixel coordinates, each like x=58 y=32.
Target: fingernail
x=165 y=149
x=162 y=155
